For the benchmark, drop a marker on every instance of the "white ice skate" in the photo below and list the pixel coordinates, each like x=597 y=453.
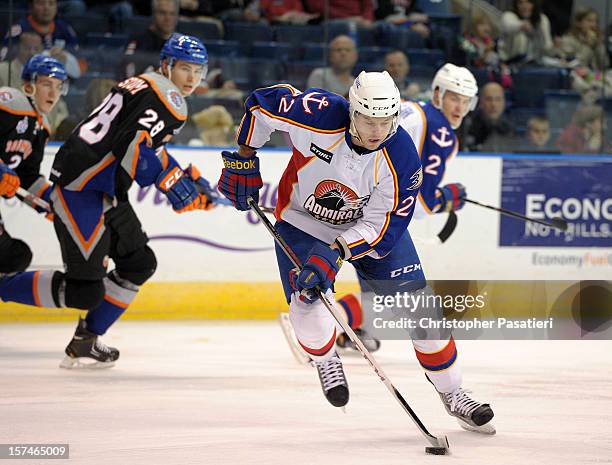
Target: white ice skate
x=471 y=414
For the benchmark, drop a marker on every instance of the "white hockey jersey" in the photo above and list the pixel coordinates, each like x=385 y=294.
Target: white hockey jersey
x=328 y=189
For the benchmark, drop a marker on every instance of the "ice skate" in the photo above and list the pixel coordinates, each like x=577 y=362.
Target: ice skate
x=87 y=351
x=333 y=381
x=471 y=414
x=370 y=342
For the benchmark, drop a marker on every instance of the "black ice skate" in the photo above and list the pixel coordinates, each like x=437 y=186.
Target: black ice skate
x=87 y=351
x=471 y=414
x=333 y=381
x=370 y=342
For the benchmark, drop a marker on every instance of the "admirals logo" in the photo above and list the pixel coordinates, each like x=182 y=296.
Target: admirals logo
x=320 y=153
x=333 y=202
x=174 y=98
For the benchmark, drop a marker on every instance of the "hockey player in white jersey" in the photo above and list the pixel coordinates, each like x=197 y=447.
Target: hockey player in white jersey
x=348 y=193
x=431 y=126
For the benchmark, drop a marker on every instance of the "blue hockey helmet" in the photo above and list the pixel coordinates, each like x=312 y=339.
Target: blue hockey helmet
x=185 y=48
x=45 y=65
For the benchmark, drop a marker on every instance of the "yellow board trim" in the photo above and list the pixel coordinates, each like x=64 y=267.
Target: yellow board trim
x=183 y=301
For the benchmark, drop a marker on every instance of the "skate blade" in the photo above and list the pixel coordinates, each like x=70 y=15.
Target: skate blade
x=487 y=428
x=84 y=363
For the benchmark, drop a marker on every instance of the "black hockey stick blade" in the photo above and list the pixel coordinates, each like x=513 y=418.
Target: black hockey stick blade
x=449 y=227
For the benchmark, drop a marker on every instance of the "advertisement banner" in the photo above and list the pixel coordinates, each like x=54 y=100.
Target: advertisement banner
x=578 y=191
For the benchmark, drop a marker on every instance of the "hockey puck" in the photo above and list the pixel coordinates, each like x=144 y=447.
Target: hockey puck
x=436 y=450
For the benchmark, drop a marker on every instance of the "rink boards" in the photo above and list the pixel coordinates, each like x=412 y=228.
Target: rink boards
x=221 y=264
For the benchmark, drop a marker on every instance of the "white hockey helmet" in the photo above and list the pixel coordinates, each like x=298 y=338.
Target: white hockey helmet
x=456 y=79
x=374 y=94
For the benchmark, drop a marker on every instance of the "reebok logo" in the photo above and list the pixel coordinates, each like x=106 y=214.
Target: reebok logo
x=320 y=153
x=239 y=165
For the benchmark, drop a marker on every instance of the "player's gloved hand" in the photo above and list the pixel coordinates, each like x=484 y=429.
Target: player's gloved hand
x=452 y=197
x=240 y=178
x=46 y=196
x=181 y=191
x=203 y=186
x=319 y=270
x=9 y=181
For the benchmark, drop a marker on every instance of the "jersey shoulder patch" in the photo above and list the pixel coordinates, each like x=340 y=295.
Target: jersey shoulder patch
x=168 y=94
x=317 y=108
x=15 y=102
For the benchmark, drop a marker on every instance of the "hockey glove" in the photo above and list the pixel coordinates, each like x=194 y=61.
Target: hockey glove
x=451 y=197
x=181 y=191
x=9 y=181
x=240 y=178
x=319 y=270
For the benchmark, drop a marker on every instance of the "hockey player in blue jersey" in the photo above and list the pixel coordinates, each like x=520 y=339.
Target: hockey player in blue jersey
x=123 y=140
x=431 y=126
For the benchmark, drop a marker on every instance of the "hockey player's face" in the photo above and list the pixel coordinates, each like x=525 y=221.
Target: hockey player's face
x=186 y=76
x=372 y=131
x=455 y=106
x=48 y=92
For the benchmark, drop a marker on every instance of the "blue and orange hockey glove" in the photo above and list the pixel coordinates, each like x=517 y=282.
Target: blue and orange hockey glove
x=240 y=179
x=181 y=190
x=9 y=181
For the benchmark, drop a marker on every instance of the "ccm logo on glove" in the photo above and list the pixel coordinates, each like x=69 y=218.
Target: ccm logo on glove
x=171 y=179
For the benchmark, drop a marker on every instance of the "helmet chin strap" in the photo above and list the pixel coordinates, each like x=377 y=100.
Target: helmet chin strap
x=32 y=95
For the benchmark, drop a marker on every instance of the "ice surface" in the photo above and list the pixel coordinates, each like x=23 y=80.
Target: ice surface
x=231 y=393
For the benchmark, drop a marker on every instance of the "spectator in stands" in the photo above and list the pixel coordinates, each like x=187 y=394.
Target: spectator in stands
x=586 y=133
x=338 y=77
x=58 y=38
x=538 y=137
x=585 y=41
x=489 y=129
x=525 y=34
x=285 y=12
x=481 y=43
x=359 y=12
x=398 y=67
x=29 y=45
x=142 y=51
x=403 y=13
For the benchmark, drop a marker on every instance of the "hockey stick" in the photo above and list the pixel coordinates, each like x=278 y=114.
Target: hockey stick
x=31 y=200
x=438 y=443
x=557 y=223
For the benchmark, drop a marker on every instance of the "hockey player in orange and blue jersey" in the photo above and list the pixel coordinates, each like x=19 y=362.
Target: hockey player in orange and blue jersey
x=24 y=132
x=123 y=140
